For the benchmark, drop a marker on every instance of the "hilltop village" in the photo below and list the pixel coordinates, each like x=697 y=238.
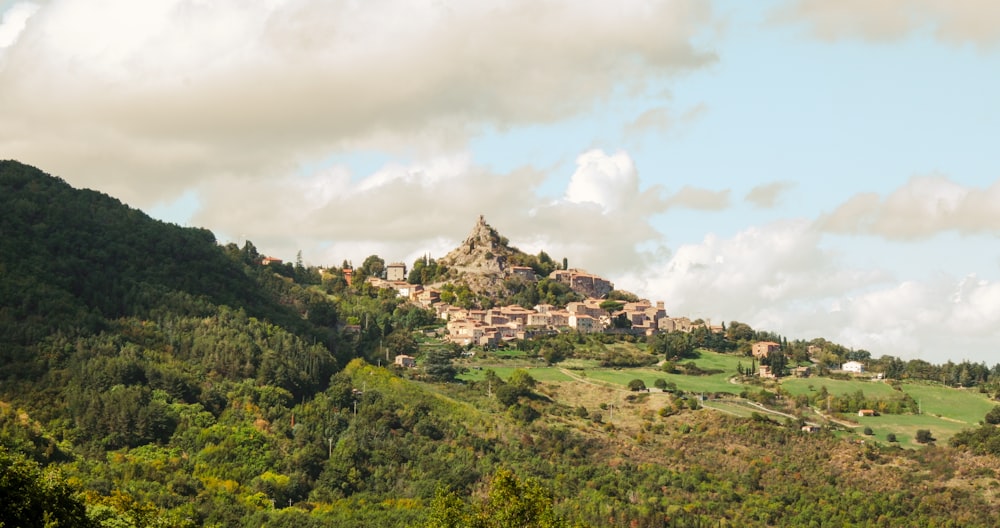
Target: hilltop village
x=488 y=328
x=484 y=257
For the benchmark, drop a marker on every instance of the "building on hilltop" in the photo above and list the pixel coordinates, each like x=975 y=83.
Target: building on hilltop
x=582 y=282
x=591 y=307
x=395 y=272
x=525 y=272
x=762 y=349
x=584 y=324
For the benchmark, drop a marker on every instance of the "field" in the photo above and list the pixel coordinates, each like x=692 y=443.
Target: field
x=965 y=405
x=796 y=386
x=713 y=383
x=731 y=407
x=504 y=364
x=945 y=411
x=539 y=373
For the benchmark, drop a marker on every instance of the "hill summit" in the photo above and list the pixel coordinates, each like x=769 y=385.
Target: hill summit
x=485 y=260
x=484 y=251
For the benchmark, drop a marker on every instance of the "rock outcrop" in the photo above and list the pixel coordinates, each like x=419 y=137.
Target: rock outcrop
x=483 y=251
x=481 y=261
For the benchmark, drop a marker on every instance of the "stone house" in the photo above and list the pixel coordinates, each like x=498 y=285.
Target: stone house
x=395 y=272
x=762 y=349
x=405 y=361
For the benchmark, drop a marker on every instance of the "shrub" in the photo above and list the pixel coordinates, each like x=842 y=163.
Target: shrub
x=993 y=417
x=508 y=395
x=891 y=437
x=924 y=436
x=637 y=385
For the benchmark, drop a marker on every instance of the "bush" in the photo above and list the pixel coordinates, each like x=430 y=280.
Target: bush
x=524 y=413
x=924 y=436
x=993 y=417
x=508 y=395
x=521 y=379
x=661 y=384
x=891 y=438
x=637 y=385
x=868 y=431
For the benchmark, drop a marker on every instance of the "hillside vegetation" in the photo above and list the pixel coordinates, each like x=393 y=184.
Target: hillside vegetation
x=151 y=377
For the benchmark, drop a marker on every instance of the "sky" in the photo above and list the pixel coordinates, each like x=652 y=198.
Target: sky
x=817 y=168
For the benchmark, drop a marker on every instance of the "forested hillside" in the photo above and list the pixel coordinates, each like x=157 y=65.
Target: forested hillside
x=150 y=377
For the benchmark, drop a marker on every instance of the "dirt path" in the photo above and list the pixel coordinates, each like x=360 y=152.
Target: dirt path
x=837 y=421
x=602 y=384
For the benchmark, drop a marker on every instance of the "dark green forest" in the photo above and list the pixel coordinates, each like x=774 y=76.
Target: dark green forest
x=150 y=376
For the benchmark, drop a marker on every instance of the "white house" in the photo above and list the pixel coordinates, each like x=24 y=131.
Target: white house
x=853 y=366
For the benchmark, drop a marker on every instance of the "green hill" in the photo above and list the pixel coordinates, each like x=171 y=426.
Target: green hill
x=96 y=296
x=71 y=258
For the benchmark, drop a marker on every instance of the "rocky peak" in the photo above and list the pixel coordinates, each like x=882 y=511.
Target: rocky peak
x=483 y=250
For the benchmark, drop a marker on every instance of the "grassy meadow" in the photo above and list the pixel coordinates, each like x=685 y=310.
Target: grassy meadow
x=796 y=386
x=946 y=411
x=968 y=406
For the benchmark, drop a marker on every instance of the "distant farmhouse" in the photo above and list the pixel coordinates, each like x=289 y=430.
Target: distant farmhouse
x=853 y=366
x=405 y=361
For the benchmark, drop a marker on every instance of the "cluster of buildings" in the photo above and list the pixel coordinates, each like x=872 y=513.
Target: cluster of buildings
x=762 y=349
x=489 y=328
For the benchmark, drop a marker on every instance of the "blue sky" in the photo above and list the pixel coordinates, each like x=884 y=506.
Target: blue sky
x=815 y=167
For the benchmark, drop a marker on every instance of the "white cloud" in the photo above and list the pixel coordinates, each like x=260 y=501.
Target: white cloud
x=607 y=181
x=939 y=319
x=951 y=21
x=760 y=267
x=923 y=207
x=13 y=22
x=143 y=99
x=780 y=278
